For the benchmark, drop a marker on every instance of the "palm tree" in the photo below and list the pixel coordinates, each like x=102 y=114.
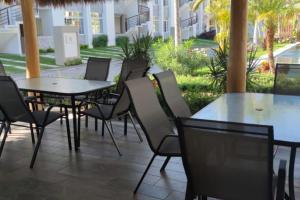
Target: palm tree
x=220 y=12
x=177 y=28
x=269 y=11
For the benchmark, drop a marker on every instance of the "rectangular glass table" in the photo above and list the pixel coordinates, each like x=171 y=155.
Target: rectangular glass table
x=66 y=88
x=280 y=111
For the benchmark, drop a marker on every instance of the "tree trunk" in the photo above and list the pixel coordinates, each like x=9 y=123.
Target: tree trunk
x=255 y=33
x=31 y=40
x=177 y=31
x=270 y=42
x=298 y=28
x=236 y=73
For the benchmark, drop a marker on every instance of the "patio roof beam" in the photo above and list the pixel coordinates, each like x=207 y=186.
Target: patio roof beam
x=236 y=78
x=30 y=39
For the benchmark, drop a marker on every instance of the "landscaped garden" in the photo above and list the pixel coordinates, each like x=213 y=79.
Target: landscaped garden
x=200 y=71
x=202 y=78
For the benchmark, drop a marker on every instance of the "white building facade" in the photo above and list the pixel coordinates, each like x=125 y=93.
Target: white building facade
x=122 y=18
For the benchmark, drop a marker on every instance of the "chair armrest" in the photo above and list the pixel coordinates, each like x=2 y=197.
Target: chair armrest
x=164 y=138
x=280 y=192
x=89 y=102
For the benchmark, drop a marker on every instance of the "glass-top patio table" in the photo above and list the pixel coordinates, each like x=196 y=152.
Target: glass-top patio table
x=64 y=87
x=280 y=111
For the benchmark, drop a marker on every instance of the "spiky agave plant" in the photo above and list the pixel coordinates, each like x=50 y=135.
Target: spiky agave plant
x=218 y=67
x=140 y=48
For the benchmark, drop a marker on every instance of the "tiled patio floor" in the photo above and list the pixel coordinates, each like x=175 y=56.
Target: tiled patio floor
x=95 y=172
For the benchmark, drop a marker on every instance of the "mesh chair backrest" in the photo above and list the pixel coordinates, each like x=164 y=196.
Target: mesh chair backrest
x=172 y=94
x=151 y=117
x=287 y=79
x=127 y=67
x=227 y=160
x=11 y=100
x=2 y=70
x=97 y=69
x=1 y=117
x=123 y=103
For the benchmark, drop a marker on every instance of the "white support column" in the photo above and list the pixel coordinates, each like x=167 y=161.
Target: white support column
x=161 y=18
x=109 y=22
x=201 y=18
x=172 y=17
x=87 y=21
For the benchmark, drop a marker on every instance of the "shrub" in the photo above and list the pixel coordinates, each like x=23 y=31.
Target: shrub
x=139 y=49
x=43 y=51
x=100 y=41
x=157 y=38
x=73 y=62
x=120 y=40
x=182 y=60
x=84 y=46
x=50 y=50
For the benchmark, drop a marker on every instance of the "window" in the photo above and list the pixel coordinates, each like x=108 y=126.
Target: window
x=155 y=24
x=166 y=25
x=74 y=18
x=96 y=23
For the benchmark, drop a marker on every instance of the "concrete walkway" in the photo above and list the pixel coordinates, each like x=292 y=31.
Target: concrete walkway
x=78 y=71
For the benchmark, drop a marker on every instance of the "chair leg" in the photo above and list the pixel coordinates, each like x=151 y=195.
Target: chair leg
x=68 y=128
x=4 y=138
x=2 y=127
x=133 y=123
x=189 y=193
x=144 y=174
x=78 y=126
x=111 y=127
x=60 y=111
x=37 y=147
x=103 y=127
x=125 y=125
x=32 y=133
x=96 y=124
x=86 y=118
x=112 y=137
x=165 y=164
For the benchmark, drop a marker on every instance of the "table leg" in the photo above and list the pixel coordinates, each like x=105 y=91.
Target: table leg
x=74 y=123
x=291 y=173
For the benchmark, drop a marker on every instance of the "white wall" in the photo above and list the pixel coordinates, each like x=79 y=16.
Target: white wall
x=10 y=41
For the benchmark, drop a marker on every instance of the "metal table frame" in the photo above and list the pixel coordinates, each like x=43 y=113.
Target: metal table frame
x=66 y=88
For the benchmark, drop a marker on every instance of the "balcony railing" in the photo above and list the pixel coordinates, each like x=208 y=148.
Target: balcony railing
x=189 y=22
x=11 y=14
x=137 y=20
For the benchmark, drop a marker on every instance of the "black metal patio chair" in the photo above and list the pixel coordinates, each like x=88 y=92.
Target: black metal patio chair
x=172 y=95
x=97 y=69
x=287 y=79
x=226 y=160
x=154 y=122
x=107 y=112
x=2 y=120
x=14 y=109
x=127 y=67
x=2 y=70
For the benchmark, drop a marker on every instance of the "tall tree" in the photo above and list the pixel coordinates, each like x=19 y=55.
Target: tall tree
x=177 y=25
x=219 y=10
x=269 y=11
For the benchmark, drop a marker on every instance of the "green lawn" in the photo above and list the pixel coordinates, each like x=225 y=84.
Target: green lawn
x=201 y=43
x=103 y=52
x=16 y=63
